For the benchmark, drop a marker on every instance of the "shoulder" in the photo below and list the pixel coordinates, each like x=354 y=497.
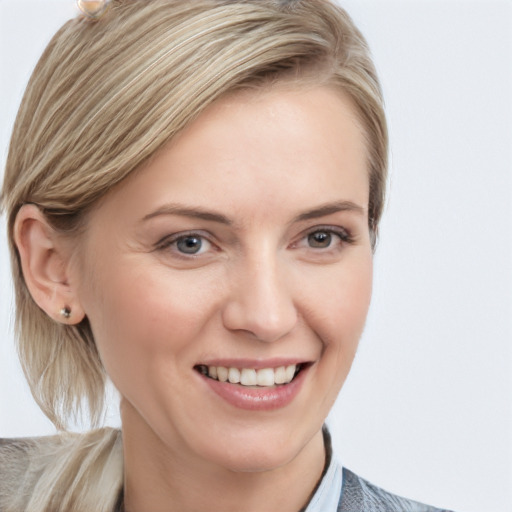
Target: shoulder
x=56 y=465
x=359 y=494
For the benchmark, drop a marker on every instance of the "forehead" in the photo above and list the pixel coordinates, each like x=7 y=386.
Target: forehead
x=285 y=111
x=290 y=145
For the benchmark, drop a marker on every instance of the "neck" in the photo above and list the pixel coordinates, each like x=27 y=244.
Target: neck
x=164 y=478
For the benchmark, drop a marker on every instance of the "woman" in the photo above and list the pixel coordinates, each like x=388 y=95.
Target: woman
x=193 y=193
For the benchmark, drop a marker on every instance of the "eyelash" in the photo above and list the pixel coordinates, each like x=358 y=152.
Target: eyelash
x=171 y=240
x=342 y=234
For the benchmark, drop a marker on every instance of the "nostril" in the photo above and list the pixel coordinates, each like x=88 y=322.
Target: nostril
x=261 y=309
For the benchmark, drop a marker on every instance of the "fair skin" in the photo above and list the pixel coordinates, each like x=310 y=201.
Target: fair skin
x=244 y=243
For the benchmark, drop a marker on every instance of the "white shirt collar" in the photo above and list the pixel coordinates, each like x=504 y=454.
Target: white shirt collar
x=327 y=496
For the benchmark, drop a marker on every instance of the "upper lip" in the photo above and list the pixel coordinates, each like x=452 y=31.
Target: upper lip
x=256 y=364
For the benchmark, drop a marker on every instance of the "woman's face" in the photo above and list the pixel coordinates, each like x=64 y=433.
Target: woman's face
x=241 y=251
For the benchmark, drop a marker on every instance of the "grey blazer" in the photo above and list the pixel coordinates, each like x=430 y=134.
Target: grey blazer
x=358 y=495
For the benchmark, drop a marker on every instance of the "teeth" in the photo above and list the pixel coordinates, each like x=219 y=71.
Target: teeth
x=234 y=375
x=280 y=375
x=248 y=377
x=266 y=377
x=290 y=372
x=222 y=373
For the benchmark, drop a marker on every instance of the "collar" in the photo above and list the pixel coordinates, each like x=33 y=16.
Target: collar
x=327 y=494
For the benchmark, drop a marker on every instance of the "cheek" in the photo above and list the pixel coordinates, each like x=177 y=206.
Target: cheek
x=354 y=299
x=340 y=301
x=143 y=320
x=338 y=314
x=335 y=305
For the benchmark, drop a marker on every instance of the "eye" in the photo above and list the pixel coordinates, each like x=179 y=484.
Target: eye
x=190 y=244
x=186 y=244
x=323 y=244
x=325 y=238
x=320 y=239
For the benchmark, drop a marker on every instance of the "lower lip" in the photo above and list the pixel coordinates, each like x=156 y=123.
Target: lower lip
x=258 y=399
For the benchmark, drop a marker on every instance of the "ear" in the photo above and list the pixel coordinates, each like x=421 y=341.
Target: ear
x=45 y=262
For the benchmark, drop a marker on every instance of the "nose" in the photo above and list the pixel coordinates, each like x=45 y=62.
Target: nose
x=259 y=303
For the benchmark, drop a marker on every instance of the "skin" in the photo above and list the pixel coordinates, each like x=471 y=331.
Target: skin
x=258 y=288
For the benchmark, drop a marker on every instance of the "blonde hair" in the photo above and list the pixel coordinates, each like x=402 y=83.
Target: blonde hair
x=106 y=95
x=68 y=472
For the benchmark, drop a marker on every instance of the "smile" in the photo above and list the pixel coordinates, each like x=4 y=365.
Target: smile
x=264 y=388
x=250 y=377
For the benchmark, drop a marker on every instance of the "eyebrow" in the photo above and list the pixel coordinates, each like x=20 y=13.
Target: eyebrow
x=329 y=209
x=184 y=211
x=203 y=214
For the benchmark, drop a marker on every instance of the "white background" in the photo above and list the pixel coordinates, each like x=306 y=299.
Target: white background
x=427 y=410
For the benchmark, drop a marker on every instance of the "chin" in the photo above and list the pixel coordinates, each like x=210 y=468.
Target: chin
x=250 y=454
x=258 y=462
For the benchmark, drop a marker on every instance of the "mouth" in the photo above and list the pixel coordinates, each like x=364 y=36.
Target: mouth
x=251 y=377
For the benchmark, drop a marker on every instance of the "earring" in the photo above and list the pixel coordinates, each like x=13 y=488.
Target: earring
x=93 y=9
x=65 y=312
